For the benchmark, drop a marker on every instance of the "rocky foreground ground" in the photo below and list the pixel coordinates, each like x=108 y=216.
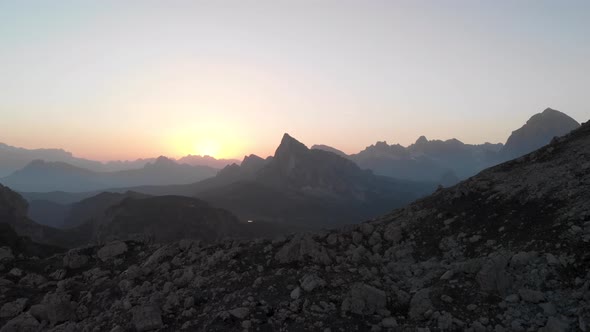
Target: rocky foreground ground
x=507 y=250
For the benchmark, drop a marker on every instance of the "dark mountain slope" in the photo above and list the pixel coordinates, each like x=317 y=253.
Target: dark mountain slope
x=94 y=208
x=170 y=218
x=48 y=213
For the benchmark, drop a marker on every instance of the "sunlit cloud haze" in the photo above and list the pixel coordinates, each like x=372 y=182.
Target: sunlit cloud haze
x=130 y=79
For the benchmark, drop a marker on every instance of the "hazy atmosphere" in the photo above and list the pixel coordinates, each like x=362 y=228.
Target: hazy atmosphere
x=112 y=80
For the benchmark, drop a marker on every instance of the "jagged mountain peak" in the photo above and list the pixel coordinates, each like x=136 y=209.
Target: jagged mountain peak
x=421 y=140
x=290 y=146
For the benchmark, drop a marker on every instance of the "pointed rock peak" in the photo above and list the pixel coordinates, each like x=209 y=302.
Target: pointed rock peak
x=289 y=146
x=288 y=139
x=382 y=144
x=422 y=140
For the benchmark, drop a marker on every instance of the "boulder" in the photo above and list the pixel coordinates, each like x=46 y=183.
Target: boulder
x=393 y=233
x=530 y=295
x=73 y=259
x=146 y=318
x=492 y=277
x=25 y=322
x=6 y=254
x=419 y=304
x=59 y=308
x=240 y=313
x=363 y=299
x=111 y=250
x=12 y=309
x=301 y=248
x=311 y=281
x=555 y=325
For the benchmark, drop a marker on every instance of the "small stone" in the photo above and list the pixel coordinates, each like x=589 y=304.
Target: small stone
x=446 y=298
x=296 y=293
x=447 y=275
x=240 y=313
x=147 y=318
x=475 y=238
x=311 y=281
x=548 y=308
x=189 y=302
x=389 y=322
x=532 y=296
x=512 y=298
x=73 y=259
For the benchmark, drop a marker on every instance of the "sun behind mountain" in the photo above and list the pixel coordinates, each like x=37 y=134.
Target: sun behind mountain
x=208 y=148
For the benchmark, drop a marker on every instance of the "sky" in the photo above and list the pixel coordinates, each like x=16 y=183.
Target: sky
x=129 y=79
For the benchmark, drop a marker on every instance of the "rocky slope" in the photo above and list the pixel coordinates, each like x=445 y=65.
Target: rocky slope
x=506 y=250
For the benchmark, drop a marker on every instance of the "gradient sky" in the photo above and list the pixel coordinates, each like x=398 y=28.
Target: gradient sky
x=128 y=79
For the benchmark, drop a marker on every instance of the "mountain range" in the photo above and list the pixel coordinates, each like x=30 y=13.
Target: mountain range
x=448 y=162
x=42 y=176
x=15 y=158
x=299 y=186
x=505 y=250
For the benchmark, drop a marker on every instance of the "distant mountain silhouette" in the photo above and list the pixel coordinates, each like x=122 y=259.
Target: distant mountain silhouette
x=537 y=132
x=329 y=149
x=206 y=161
x=447 y=162
x=14 y=158
x=41 y=176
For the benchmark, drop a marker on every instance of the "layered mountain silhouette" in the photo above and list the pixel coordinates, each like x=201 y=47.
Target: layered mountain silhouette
x=41 y=176
x=15 y=158
x=300 y=186
x=505 y=250
x=447 y=162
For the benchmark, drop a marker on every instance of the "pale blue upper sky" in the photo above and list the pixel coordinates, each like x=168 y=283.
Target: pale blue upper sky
x=128 y=79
